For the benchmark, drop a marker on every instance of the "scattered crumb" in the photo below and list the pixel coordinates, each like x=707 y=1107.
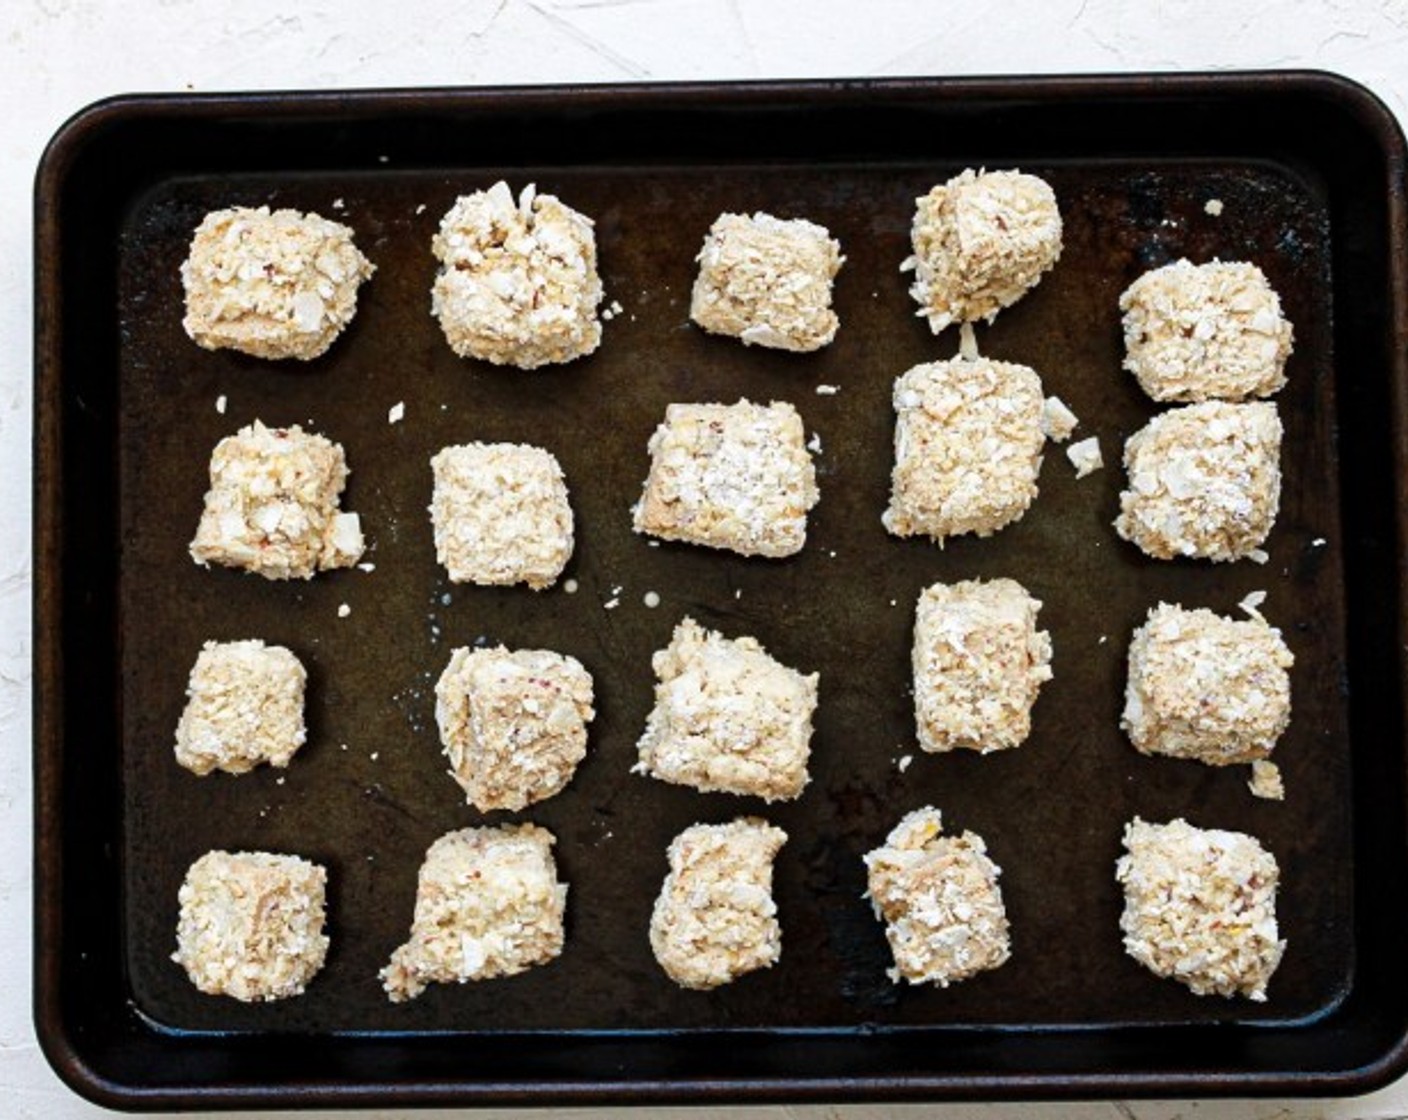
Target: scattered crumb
x=337 y=204
x=1250 y=604
x=892 y=602
x=1085 y=456
x=607 y=314
x=367 y=566
x=827 y=390
x=280 y=780
x=1258 y=556
x=375 y=755
x=396 y=413
x=1102 y=641
x=831 y=552
x=612 y=603
x=904 y=762
x=814 y=444
x=383 y=159
x=1057 y=420
x=220 y=402
x=343 y=610
x=1213 y=207
x=616 y=590
x=570 y=586
x=446 y=599
x=616 y=307
x=738 y=592
x=1318 y=542
x=421 y=208
x=651 y=599
x=1266 y=781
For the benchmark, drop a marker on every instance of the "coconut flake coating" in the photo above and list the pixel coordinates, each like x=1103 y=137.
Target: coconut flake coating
x=488 y=904
x=715 y=918
x=1205 y=332
x=273 y=285
x=968 y=444
x=251 y=924
x=1206 y=687
x=981 y=242
x=244 y=707
x=272 y=506
x=1204 y=481
x=979 y=662
x=728 y=717
x=1200 y=907
x=732 y=476
x=940 y=901
x=767 y=281
x=513 y=723
x=501 y=515
x=518 y=282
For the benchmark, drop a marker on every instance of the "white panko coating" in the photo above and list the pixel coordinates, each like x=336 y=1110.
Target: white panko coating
x=715 y=919
x=501 y=515
x=940 y=901
x=1200 y=907
x=1205 y=687
x=274 y=285
x=981 y=242
x=1204 y=481
x=728 y=717
x=513 y=723
x=968 y=444
x=979 y=662
x=244 y=707
x=251 y=924
x=272 y=506
x=488 y=904
x=518 y=282
x=767 y=281
x=731 y=476
x=1197 y=332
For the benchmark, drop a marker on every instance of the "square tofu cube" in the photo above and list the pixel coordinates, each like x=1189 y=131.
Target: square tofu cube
x=251 y=924
x=736 y=477
x=272 y=506
x=501 y=515
x=244 y=707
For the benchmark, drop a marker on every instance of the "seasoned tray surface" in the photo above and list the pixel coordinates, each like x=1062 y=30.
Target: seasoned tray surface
x=369 y=793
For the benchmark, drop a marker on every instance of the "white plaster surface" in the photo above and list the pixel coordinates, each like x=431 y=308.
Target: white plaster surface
x=57 y=55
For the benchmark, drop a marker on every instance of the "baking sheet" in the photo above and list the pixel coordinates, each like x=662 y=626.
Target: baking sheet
x=368 y=793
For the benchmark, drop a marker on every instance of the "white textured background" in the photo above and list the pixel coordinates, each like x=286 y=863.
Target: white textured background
x=57 y=55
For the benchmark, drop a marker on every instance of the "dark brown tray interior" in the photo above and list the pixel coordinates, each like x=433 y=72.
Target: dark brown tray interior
x=1063 y=1012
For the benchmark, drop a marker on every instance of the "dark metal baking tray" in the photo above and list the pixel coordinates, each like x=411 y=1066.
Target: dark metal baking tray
x=1309 y=169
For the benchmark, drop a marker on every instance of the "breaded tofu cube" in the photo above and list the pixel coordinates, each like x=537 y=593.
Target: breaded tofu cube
x=518 y=281
x=272 y=506
x=501 y=515
x=272 y=285
x=1200 y=907
x=488 y=904
x=940 y=901
x=1204 y=481
x=968 y=444
x=728 y=717
x=732 y=476
x=715 y=918
x=513 y=723
x=979 y=662
x=1205 y=687
x=767 y=281
x=244 y=707
x=1197 y=332
x=251 y=924
x=981 y=242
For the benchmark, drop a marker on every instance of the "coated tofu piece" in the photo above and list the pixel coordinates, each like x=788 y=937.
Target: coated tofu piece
x=981 y=241
x=251 y=924
x=767 y=282
x=1204 y=481
x=513 y=723
x=244 y=707
x=271 y=284
x=1200 y=907
x=272 y=506
x=728 y=717
x=1197 y=332
x=940 y=901
x=488 y=904
x=518 y=282
x=715 y=919
x=735 y=477
x=501 y=514
x=979 y=662
x=968 y=444
x=1205 y=687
